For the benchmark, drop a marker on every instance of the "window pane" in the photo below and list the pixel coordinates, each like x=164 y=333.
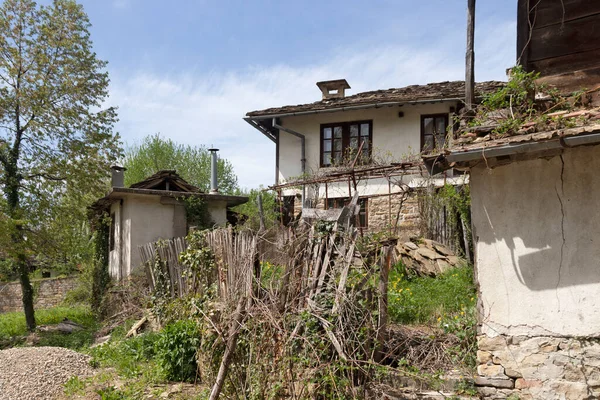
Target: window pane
x=326 y=158
x=353 y=130
x=337 y=145
x=440 y=141
x=428 y=125
x=337 y=132
x=327 y=133
x=354 y=143
x=366 y=144
x=364 y=129
x=337 y=157
x=441 y=125
x=326 y=145
x=428 y=142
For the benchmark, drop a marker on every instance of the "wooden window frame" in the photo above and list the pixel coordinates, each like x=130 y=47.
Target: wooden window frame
x=446 y=124
x=345 y=138
x=339 y=202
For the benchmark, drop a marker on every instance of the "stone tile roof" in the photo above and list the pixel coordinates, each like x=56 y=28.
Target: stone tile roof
x=414 y=93
x=161 y=178
x=579 y=122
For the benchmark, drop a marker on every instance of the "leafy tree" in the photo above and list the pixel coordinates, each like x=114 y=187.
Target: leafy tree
x=250 y=209
x=192 y=163
x=55 y=136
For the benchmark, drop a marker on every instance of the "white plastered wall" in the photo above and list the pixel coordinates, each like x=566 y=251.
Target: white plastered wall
x=537 y=232
x=149 y=221
x=394 y=138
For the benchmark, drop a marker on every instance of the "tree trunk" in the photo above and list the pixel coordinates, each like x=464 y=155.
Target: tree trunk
x=12 y=199
x=27 y=291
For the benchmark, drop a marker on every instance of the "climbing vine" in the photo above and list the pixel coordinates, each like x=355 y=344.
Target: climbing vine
x=101 y=277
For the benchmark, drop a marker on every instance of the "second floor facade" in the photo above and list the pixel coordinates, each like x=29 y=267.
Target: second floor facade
x=388 y=126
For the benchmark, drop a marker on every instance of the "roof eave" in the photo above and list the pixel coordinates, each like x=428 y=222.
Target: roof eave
x=249 y=117
x=464 y=158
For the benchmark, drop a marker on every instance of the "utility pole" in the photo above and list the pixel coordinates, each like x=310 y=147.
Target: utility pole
x=470 y=59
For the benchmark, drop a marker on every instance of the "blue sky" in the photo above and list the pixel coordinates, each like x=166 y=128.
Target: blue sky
x=191 y=69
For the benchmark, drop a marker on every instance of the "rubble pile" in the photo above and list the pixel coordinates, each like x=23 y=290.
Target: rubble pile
x=424 y=257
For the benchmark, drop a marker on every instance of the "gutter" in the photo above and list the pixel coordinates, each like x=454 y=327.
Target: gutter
x=302 y=152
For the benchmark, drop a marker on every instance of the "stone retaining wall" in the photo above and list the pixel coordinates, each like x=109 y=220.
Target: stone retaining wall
x=538 y=368
x=48 y=293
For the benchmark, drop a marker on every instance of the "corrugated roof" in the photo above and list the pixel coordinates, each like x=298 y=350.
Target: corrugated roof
x=414 y=93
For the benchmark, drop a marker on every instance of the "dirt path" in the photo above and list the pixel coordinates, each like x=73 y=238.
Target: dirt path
x=39 y=372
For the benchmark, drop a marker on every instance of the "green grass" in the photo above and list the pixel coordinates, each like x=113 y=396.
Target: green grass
x=426 y=300
x=131 y=358
x=13 y=325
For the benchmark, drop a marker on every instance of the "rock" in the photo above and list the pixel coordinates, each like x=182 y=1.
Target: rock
x=428 y=253
x=453 y=260
x=440 y=248
x=483 y=357
x=491 y=343
x=442 y=266
x=410 y=246
x=491 y=371
x=497 y=383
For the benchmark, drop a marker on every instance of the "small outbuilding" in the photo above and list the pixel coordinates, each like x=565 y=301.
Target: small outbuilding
x=153 y=209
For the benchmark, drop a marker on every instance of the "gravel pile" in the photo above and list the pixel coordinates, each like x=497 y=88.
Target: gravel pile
x=39 y=372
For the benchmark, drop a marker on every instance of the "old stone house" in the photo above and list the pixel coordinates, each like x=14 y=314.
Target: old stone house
x=150 y=210
x=535 y=228
x=318 y=143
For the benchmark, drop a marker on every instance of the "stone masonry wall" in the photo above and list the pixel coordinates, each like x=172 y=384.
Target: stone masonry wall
x=538 y=368
x=378 y=212
x=48 y=293
x=382 y=212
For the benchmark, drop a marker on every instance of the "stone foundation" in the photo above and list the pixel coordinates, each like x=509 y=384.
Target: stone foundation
x=47 y=293
x=538 y=368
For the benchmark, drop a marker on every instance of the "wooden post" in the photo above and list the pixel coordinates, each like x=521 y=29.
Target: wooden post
x=386 y=261
x=470 y=61
x=230 y=346
x=260 y=212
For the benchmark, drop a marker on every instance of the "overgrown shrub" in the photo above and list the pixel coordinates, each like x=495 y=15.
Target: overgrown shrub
x=176 y=350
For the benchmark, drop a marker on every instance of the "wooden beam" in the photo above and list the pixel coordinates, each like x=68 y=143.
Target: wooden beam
x=470 y=57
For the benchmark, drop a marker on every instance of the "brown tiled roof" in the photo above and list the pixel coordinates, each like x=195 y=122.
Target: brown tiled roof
x=413 y=93
x=159 y=180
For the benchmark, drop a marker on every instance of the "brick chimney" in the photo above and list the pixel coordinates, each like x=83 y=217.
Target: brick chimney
x=333 y=89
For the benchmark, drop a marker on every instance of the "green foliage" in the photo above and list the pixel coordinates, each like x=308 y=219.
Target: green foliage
x=75 y=387
x=101 y=277
x=519 y=92
x=132 y=357
x=427 y=300
x=197 y=213
x=250 y=209
x=56 y=137
x=176 y=350
x=155 y=153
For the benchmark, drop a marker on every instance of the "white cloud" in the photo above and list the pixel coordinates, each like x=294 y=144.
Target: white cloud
x=207 y=108
x=121 y=3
